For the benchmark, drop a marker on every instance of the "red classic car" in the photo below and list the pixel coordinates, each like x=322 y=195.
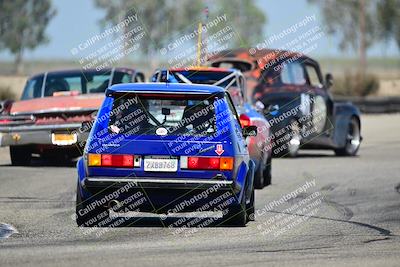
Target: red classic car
x=47 y=120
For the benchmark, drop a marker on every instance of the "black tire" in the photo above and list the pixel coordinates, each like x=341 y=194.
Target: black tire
x=353 y=139
x=250 y=210
x=259 y=177
x=237 y=215
x=293 y=145
x=57 y=158
x=85 y=220
x=20 y=155
x=268 y=172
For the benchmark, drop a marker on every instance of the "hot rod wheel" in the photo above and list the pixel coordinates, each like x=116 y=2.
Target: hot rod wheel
x=353 y=139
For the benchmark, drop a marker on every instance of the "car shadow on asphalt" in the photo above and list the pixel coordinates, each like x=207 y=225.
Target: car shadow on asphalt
x=177 y=223
x=321 y=155
x=311 y=154
x=39 y=162
x=314 y=155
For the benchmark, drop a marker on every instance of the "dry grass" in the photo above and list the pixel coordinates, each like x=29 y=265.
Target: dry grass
x=389 y=87
x=6 y=93
x=387 y=70
x=11 y=86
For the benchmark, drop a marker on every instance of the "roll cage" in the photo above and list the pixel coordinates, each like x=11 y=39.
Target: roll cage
x=233 y=78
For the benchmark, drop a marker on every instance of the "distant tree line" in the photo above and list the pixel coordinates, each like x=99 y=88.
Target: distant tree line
x=166 y=19
x=22 y=26
x=360 y=23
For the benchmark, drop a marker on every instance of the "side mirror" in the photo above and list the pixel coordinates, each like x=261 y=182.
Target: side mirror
x=249 y=131
x=328 y=80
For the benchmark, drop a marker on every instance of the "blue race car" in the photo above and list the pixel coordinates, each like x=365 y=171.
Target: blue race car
x=181 y=146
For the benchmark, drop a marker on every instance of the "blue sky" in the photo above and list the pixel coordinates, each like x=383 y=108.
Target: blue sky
x=77 y=20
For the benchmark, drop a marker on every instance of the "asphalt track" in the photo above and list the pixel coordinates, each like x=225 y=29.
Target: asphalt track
x=351 y=216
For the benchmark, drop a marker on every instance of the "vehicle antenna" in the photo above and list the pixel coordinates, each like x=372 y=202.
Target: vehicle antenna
x=202 y=39
x=199 y=29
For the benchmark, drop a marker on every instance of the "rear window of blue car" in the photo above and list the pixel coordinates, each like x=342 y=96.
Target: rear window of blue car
x=163 y=115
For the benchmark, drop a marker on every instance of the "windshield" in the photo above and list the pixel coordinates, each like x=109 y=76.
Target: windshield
x=68 y=83
x=159 y=115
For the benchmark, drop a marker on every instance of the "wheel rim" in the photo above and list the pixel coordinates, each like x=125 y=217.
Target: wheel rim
x=295 y=141
x=353 y=137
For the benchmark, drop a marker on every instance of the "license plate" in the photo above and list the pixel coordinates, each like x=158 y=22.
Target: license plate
x=160 y=165
x=62 y=139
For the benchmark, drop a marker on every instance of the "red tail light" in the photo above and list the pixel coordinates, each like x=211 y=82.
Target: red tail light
x=4 y=121
x=209 y=163
x=108 y=160
x=245 y=120
x=214 y=163
x=193 y=163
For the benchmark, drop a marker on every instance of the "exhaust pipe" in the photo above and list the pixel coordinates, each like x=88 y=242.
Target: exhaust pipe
x=114 y=205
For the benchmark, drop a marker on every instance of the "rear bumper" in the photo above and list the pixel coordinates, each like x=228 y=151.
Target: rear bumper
x=161 y=183
x=37 y=134
x=163 y=195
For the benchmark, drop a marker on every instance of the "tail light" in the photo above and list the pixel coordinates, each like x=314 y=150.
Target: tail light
x=109 y=160
x=244 y=120
x=207 y=163
x=226 y=164
x=4 y=121
x=94 y=159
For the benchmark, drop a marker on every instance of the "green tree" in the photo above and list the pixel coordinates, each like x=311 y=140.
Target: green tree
x=22 y=26
x=160 y=19
x=165 y=20
x=388 y=14
x=247 y=19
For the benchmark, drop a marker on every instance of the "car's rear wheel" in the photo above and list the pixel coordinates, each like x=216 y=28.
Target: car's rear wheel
x=268 y=172
x=250 y=210
x=20 y=155
x=259 y=177
x=55 y=157
x=237 y=215
x=88 y=214
x=353 y=140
